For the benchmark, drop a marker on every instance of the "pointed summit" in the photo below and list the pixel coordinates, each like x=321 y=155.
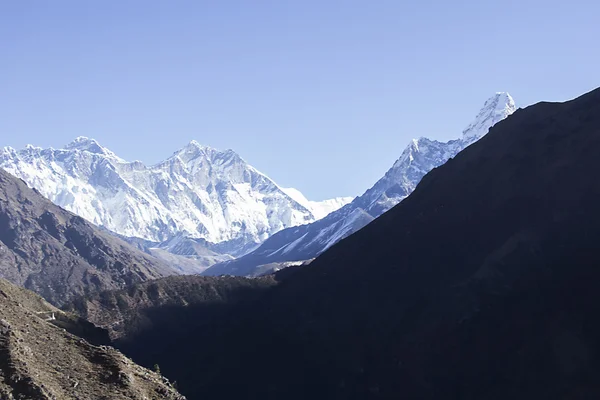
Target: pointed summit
x=418 y=158
x=194 y=151
x=494 y=110
x=194 y=144
x=83 y=143
x=189 y=152
x=193 y=147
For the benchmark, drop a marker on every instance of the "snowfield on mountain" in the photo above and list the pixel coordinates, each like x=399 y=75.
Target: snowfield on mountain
x=421 y=156
x=199 y=193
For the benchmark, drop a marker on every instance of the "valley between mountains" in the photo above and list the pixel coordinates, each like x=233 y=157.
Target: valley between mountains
x=205 y=210
x=468 y=271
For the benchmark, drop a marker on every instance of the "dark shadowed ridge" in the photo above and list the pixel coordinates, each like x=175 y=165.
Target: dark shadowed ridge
x=58 y=254
x=482 y=284
x=143 y=307
x=306 y=242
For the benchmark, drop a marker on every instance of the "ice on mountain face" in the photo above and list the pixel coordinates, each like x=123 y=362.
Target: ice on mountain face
x=297 y=196
x=422 y=155
x=494 y=110
x=199 y=192
x=83 y=143
x=417 y=159
x=320 y=209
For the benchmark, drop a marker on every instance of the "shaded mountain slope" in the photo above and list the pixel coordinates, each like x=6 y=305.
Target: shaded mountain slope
x=482 y=284
x=41 y=361
x=420 y=156
x=58 y=254
x=127 y=312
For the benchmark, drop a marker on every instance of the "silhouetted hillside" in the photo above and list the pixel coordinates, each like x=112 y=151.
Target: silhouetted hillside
x=142 y=307
x=482 y=284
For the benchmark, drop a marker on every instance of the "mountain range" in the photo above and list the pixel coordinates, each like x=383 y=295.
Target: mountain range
x=203 y=208
x=481 y=284
x=201 y=203
x=58 y=254
x=420 y=156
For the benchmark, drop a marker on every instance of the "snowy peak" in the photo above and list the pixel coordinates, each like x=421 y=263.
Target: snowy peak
x=82 y=143
x=195 y=153
x=297 y=196
x=417 y=159
x=194 y=144
x=199 y=192
x=495 y=109
x=423 y=154
x=193 y=148
x=320 y=209
x=7 y=152
x=85 y=144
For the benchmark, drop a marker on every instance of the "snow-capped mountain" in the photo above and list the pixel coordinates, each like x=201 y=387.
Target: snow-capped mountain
x=420 y=156
x=320 y=209
x=211 y=197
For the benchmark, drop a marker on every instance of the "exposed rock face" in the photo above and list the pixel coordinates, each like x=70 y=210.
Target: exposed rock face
x=58 y=254
x=41 y=361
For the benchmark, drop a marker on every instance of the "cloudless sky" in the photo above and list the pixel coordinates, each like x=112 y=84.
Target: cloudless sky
x=321 y=95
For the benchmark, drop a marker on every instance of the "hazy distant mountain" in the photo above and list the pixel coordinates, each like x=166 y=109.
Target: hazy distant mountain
x=421 y=156
x=209 y=197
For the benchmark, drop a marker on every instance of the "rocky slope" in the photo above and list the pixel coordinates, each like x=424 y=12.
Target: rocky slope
x=200 y=193
x=41 y=361
x=421 y=156
x=58 y=254
x=482 y=284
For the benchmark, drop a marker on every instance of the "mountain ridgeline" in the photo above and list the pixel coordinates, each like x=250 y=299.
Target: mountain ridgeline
x=482 y=284
x=60 y=255
x=200 y=203
x=421 y=156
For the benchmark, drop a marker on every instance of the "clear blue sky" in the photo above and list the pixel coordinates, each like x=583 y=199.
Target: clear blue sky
x=320 y=95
